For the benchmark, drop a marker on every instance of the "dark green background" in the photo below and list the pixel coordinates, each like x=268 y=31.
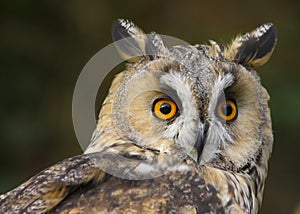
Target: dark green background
x=45 y=44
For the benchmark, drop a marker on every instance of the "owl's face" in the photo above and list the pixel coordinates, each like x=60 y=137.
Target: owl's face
x=204 y=100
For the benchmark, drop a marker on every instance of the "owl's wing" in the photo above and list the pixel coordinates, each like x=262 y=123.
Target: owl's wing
x=48 y=188
x=178 y=191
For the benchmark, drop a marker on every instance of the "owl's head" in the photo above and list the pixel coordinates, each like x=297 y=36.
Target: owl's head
x=205 y=100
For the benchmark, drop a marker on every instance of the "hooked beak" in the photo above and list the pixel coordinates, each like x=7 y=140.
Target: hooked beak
x=201 y=140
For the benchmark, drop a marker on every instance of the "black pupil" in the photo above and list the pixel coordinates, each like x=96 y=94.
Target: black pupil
x=165 y=108
x=227 y=109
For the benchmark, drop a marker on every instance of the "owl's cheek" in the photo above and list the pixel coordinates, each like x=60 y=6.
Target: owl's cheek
x=145 y=123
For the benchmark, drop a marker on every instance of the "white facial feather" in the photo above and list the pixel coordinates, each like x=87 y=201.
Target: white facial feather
x=187 y=124
x=217 y=135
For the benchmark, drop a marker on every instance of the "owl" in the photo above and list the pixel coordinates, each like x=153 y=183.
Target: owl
x=183 y=129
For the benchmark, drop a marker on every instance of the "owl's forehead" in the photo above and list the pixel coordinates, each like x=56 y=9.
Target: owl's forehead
x=195 y=63
x=201 y=70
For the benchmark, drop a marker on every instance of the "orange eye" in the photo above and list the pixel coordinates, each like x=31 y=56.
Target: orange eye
x=227 y=110
x=164 y=108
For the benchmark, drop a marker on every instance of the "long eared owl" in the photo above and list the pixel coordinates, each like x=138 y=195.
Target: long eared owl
x=183 y=129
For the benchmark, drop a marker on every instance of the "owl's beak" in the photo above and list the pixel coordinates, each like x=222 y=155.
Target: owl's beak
x=201 y=140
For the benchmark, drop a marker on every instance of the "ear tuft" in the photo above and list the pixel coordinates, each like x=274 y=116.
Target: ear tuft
x=132 y=43
x=253 y=49
x=133 y=39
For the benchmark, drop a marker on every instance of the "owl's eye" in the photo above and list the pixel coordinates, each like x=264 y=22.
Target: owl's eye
x=164 y=109
x=227 y=110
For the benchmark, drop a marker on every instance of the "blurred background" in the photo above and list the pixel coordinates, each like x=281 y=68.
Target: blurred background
x=45 y=44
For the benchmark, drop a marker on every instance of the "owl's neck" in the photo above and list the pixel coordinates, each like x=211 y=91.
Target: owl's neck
x=240 y=192
x=239 y=187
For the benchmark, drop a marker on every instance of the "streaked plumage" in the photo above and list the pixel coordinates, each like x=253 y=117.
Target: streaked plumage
x=196 y=161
